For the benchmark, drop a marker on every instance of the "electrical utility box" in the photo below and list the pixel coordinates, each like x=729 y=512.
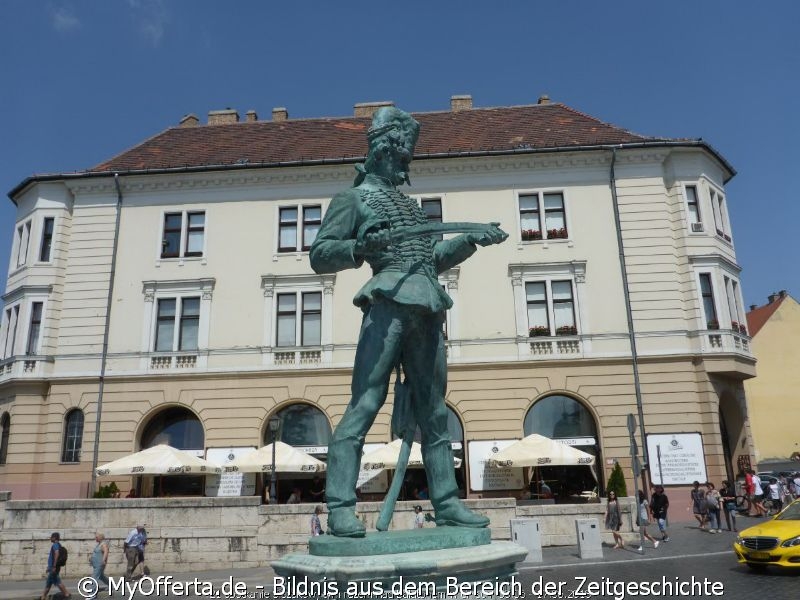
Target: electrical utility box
x=526 y=533
x=589 y=542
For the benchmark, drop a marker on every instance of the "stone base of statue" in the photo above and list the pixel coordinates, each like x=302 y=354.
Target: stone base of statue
x=420 y=563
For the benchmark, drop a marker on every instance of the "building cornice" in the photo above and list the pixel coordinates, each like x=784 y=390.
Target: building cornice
x=26 y=290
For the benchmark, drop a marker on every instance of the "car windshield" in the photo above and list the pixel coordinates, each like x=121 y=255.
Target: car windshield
x=791 y=513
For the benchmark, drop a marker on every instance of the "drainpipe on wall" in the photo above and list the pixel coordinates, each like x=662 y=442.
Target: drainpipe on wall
x=104 y=354
x=629 y=313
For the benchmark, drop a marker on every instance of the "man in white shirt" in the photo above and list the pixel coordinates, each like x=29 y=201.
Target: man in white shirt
x=134 y=548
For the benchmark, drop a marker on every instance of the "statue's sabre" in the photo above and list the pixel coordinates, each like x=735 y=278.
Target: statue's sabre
x=402 y=234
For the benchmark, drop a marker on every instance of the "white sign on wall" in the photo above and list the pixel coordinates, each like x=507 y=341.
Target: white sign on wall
x=372 y=481
x=676 y=458
x=229 y=484
x=483 y=477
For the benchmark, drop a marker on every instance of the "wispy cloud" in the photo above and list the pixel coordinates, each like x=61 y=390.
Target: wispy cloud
x=152 y=18
x=63 y=18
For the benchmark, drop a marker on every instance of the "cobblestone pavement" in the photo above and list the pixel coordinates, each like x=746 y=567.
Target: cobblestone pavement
x=689 y=553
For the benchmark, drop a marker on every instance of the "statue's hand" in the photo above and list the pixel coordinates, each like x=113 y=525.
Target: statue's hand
x=492 y=235
x=372 y=242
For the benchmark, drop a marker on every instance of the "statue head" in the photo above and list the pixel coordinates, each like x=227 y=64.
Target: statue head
x=392 y=138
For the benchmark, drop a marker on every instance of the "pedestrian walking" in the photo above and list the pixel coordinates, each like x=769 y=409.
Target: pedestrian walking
x=698 y=504
x=316 y=526
x=758 y=496
x=659 y=503
x=99 y=559
x=643 y=520
x=54 y=563
x=728 y=495
x=134 y=549
x=713 y=503
x=614 y=520
x=775 y=494
x=419 y=518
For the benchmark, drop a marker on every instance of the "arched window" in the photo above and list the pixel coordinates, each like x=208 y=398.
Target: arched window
x=301 y=425
x=73 y=436
x=177 y=427
x=180 y=428
x=5 y=430
x=563 y=418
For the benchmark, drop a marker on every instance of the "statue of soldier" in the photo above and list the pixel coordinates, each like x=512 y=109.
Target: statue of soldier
x=404 y=309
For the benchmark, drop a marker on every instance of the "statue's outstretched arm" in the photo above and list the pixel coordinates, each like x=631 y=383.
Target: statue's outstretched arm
x=333 y=249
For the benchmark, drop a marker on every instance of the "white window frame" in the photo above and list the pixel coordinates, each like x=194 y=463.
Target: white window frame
x=184 y=234
x=20 y=251
x=154 y=291
x=22 y=299
x=719 y=209
x=10 y=335
x=298 y=316
x=301 y=208
x=540 y=192
x=550 y=303
x=701 y=211
x=720 y=269
x=272 y=285
x=574 y=271
x=41 y=240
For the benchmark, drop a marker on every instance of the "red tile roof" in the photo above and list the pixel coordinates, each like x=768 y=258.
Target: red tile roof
x=332 y=139
x=477 y=131
x=758 y=317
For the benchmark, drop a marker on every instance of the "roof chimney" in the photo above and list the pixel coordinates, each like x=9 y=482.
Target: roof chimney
x=458 y=103
x=189 y=120
x=251 y=116
x=544 y=99
x=367 y=109
x=771 y=298
x=782 y=294
x=280 y=114
x=753 y=306
x=223 y=117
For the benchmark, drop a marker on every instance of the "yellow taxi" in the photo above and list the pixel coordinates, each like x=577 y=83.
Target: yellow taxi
x=773 y=542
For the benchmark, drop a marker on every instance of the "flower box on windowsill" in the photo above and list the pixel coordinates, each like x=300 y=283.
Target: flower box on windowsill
x=556 y=234
x=713 y=324
x=742 y=328
x=567 y=330
x=530 y=235
x=539 y=331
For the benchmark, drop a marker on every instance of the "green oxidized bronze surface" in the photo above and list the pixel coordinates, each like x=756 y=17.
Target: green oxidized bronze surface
x=408 y=540
x=404 y=309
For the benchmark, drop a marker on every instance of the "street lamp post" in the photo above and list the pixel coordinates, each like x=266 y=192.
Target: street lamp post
x=274 y=425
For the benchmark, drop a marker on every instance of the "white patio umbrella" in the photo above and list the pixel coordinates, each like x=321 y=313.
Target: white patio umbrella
x=386 y=457
x=538 y=451
x=287 y=460
x=159 y=460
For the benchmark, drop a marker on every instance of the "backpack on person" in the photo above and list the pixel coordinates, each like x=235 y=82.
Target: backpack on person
x=63 y=555
x=712 y=499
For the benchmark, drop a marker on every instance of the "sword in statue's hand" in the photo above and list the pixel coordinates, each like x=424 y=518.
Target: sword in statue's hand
x=374 y=236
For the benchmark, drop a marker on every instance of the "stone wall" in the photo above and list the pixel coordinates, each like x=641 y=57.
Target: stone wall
x=194 y=534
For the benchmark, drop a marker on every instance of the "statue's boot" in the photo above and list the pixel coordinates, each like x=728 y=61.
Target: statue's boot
x=344 y=458
x=343 y=522
x=449 y=509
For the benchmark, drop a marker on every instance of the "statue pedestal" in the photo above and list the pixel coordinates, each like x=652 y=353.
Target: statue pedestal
x=399 y=567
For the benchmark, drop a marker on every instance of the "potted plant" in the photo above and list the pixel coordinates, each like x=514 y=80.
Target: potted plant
x=567 y=330
x=742 y=328
x=735 y=326
x=713 y=324
x=554 y=234
x=531 y=234
x=538 y=331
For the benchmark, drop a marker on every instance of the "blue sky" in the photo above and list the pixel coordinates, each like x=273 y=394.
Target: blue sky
x=81 y=81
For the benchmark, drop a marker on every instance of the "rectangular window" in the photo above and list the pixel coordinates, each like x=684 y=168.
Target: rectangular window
x=707 y=295
x=23 y=237
x=165 y=325
x=693 y=205
x=287 y=320
x=195 y=232
x=432 y=207
x=47 y=239
x=190 y=323
x=551 y=308
x=12 y=314
x=298 y=227
x=312 y=219
x=312 y=319
x=538 y=314
x=34 y=329
x=720 y=215
x=542 y=216
x=184 y=234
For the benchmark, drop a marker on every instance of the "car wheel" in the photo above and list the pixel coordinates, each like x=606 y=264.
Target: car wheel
x=757 y=567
